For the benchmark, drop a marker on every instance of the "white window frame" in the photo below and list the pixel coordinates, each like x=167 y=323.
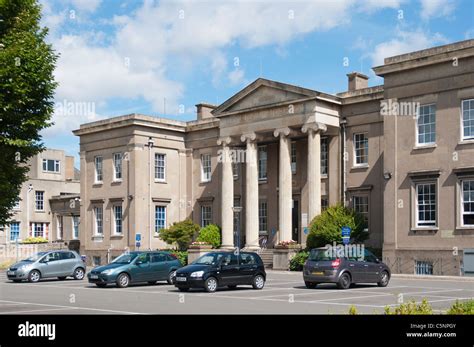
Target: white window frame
x=263 y=217
x=98 y=229
x=262 y=162
x=157 y=166
x=10 y=230
x=75 y=227
x=293 y=157
x=324 y=156
x=164 y=219
x=59 y=227
x=471 y=111
x=114 y=217
x=462 y=203
x=43 y=229
x=417 y=124
x=206 y=167
x=357 y=203
x=56 y=164
x=417 y=216
x=98 y=169
x=118 y=166
x=235 y=170
x=17 y=205
x=356 y=149
x=39 y=201
x=206 y=215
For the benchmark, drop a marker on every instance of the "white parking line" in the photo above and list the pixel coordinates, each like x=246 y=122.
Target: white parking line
x=32 y=311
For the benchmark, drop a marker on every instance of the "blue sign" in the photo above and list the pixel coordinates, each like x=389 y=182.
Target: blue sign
x=138 y=237
x=137 y=244
x=305 y=230
x=346 y=235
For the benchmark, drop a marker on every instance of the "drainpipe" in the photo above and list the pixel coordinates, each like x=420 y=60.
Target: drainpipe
x=343 y=124
x=150 y=146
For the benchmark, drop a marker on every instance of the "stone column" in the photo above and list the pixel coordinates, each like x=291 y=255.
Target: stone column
x=285 y=194
x=227 y=194
x=251 y=192
x=314 y=167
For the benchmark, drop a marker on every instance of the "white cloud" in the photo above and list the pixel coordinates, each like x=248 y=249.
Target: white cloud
x=405 y=42
x=436 y=8
x=86 y=5
x=236 y=76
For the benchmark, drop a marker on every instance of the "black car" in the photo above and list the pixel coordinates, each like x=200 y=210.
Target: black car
x=323 y=267
x=219 y=269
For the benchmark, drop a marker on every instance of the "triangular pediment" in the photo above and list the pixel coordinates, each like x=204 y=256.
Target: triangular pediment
x=263 y=92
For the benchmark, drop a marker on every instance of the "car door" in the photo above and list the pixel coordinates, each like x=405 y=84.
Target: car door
x=51 y=265
x=140 y=270
x=247 y=267
x=372 y=267
x=229 y=270
x=68 y=262
x=158 y=266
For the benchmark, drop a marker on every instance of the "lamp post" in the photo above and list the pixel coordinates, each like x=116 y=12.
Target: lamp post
x=237 y=210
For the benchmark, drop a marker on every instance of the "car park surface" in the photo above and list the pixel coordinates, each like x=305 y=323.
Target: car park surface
x=284 y=292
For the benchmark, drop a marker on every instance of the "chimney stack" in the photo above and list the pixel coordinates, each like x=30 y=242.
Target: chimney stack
x=204 y=110
x=357 y=81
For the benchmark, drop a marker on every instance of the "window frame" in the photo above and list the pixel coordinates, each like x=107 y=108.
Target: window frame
x=203 y=208
x=262 y=218
x=293 y=156
x=37 y=201
x=324 y=156
x=56 y=165
x=96 y=221
x=262 y=174
x=416 y=203
x=97 y=173
x=204 y=165
x=461 y=196
x=115 y=225
x=165 y=217
x=356 y=149
x=157 y=167
x=463 y=136
x=18 y=224
x=75 y=226
x=120 y=171
x=357 y=197
x=417 y=126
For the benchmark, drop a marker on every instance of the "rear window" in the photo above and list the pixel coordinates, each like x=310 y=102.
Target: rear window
x=320 y=255
x=67 y=255
x=246 y=259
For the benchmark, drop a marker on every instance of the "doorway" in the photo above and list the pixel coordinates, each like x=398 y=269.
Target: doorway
x=295 y=222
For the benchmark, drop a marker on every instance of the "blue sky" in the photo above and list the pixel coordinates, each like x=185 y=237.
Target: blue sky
x=120 y=57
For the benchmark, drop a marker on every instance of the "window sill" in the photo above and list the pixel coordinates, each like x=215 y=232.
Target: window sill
x=324 y=176
x=464 y=227
x=161 y=181
x=205 y=181
x=466 y=142
x=97 y=184
x=97 y=238
x=428 y=146
x=262 y=181
x=40 y=211
x=116 y=237
x=360 y=167
x=433 y=229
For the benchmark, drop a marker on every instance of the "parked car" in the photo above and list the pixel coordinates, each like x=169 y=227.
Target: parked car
x=322 y=267
x=60 y=264
x=134 y=267
x=219 y=269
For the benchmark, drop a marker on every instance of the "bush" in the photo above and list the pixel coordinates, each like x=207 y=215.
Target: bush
x=180 y=233
x=297 y=262
x=410 y=307
x=182 y=256
x=466 y=307
x=30 y=240
x=210 y=234
x=326 y=228
x=353 y=310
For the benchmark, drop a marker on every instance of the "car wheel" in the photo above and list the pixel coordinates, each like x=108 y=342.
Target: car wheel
x=62 y=278
x=79 y=274
x=123 y=280
x=384 y=279
x=34 y=276
x=183 y=289
x=258 y=282
x=101 y=285
x=310 y=285
x=171 y=275
x=344 y=281
x=233 y=286
x=210 y=284
x=151 y=282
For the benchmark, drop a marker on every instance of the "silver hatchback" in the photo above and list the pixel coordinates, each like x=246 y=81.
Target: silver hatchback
x=60 y=264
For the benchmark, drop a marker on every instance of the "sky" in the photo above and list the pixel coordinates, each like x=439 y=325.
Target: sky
x=160 y=58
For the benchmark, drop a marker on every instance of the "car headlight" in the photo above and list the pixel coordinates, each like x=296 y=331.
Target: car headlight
x=197 y=274
x=107 y=272
x=24 y=267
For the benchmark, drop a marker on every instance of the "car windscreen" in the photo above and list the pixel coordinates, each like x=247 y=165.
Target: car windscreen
x=208 y=259
x=125 y=258
x=35 y=257
x=320 y=255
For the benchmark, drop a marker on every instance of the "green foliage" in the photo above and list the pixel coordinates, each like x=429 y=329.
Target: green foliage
x=410 y=307
x=182 y=256
x=353 y=310
x=180 y=233
x=466 y=307
x=27 y=89
x=211 y=234
x=297 y=262
x=39 y=239
x=326 y=228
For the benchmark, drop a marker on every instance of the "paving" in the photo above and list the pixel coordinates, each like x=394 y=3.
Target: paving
x=284 y=293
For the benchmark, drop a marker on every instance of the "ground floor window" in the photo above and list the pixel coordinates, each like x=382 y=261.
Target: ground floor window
x=467 y=202
x=99 y=220
x=423 y=267
x=96 y=260
x=39 y=229
x=262 y=217
x=361 y=206
x=206 y=215
x=117 y=219
x=160 y=218
x=14 y=231
x=426 y=204
x=324 y=204
x=75 y=227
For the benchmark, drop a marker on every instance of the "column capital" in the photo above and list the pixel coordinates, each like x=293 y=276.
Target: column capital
x=314 y=126
x=224 y=141
x=283 y=132
x=249 y=137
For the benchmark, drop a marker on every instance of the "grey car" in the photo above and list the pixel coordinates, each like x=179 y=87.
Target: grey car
x=60 y=264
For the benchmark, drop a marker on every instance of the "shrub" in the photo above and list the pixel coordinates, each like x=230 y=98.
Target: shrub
x=297 y=262
x=326 y=227
x=353 y=310
x=466 y=307
x=410 y=307
x=30 y=240
x=182 y=256
x=180 y=233
x=210 y=234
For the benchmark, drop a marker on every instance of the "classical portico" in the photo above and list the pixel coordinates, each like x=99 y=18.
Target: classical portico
x=268 y=113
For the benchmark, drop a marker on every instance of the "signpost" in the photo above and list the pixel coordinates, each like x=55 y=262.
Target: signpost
x=138 y=238
x=346 y=235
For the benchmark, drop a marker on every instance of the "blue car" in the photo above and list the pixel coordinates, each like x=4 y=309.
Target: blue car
x=135 y=267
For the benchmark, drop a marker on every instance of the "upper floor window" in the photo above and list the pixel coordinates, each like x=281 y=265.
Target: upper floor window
x=39 y=200
x=98 y=169
x=467 y=202
x=99 y=220
x=262 y=216
x=118 y=166
x=468 y=119
x=117 y=209
x=262 y=162
x=361 y=206
x=361 y=149
x=50 y=165
x=160 y=167
x=235 y=170
x=160 y=218
x=324 y=156
x=426 y=204
x=426 y=125
x=293 y=157
x=206 y=215
x=17 y=204
x=205 y=168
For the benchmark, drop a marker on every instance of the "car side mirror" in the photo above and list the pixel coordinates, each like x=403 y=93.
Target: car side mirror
x=377 y=260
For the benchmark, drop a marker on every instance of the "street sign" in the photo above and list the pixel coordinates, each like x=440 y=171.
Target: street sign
x=137 y=244
x=305 y=230
x=346 y=235
x=138 y=237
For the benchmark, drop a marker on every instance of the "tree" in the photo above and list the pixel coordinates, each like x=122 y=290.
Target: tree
x=180 y=233
x=211 y=234
x=326 y=228
x=27 y=88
